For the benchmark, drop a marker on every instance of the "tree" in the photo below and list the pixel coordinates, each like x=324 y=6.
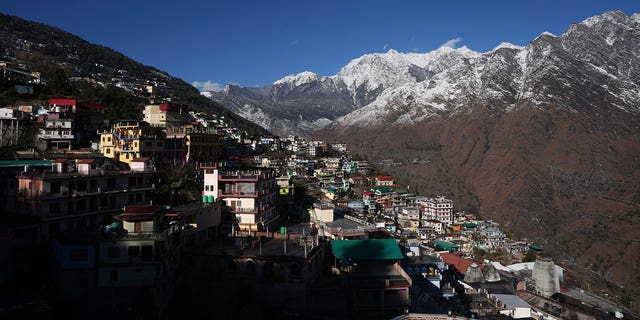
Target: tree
x=529 y=256
x=59 y=83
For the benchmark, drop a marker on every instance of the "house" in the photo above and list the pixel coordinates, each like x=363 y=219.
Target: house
x=384 y=181
x=322 y=212
x=375 y=284
x=513 y=306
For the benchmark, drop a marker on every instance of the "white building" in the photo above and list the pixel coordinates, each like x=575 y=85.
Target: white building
x=439 y=208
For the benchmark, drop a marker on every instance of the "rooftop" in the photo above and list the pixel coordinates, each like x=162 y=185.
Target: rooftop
x=370 y=249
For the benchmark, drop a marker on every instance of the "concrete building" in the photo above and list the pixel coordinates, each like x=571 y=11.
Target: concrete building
x=167 y=115
x=128 y=140
x=79 y=193
x=440 y=209
x=137 y=257
x=58 y=118
x=375 y=284
x=203 y=147
x=249 y=195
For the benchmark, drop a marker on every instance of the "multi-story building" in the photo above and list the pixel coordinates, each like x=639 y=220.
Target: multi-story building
x=79 y=193
x=58 y=118
x=375 y=284
x=128 y=140
x=439 y=208
x=249 y=195
x=203 y=147
x=490 y=238
x=136 y=257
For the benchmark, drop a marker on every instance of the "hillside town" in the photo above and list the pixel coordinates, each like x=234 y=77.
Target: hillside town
x=129 y=218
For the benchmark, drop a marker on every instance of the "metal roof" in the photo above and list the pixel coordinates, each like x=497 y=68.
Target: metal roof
x=20 y=163
x=370 y=249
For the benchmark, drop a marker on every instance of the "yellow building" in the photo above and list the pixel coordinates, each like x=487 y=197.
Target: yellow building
x=128 y=140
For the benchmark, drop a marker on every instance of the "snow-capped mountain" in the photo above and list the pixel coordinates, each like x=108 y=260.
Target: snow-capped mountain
x=595 y=61
x=305 y=102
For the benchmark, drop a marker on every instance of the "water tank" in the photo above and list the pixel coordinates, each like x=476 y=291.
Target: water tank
x=545 y=277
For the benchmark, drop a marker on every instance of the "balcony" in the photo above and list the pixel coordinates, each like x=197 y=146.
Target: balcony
x=244 y=210
x=156 y=236
x=235 y=194
x=56 y=136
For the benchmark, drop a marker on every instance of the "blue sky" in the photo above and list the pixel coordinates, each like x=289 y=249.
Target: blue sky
x=254 y=43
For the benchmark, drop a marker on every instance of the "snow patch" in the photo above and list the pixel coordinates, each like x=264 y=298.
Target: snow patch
x=299 y=79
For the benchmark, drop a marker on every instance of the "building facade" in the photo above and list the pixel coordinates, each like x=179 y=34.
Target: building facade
x=249 y=195
x=79 y=194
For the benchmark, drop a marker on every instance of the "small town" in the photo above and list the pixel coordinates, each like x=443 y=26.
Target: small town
x=293 y=228
x=128 y=193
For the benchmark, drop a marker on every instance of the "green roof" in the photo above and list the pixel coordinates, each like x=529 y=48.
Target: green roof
x=446 y=245
x=20 y=163
x=534 y=247
x=370 y=249
x=383 y=189
x=470 y=225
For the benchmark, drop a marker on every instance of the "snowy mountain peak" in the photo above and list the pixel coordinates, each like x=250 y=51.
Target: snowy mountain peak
x=507 y=45
x=467 y=52
x=392 y=51
x=299 y=79
x=545 y=34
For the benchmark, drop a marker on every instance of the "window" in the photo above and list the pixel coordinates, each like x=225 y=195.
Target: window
x=250 y=266
x=114 y=276
x=81 y=205
x=108 y=150
x=134 y=251
x=113 y=252
x=54 y=207
x=295 y=269
x=82 y=282
x=147 y=253
x=79 y=255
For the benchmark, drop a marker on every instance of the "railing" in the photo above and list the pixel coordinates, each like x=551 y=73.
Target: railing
x=55 y=136
x=237 y=194
x=244 y=210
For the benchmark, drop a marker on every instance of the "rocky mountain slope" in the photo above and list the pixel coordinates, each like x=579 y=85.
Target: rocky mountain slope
x=544 y=139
